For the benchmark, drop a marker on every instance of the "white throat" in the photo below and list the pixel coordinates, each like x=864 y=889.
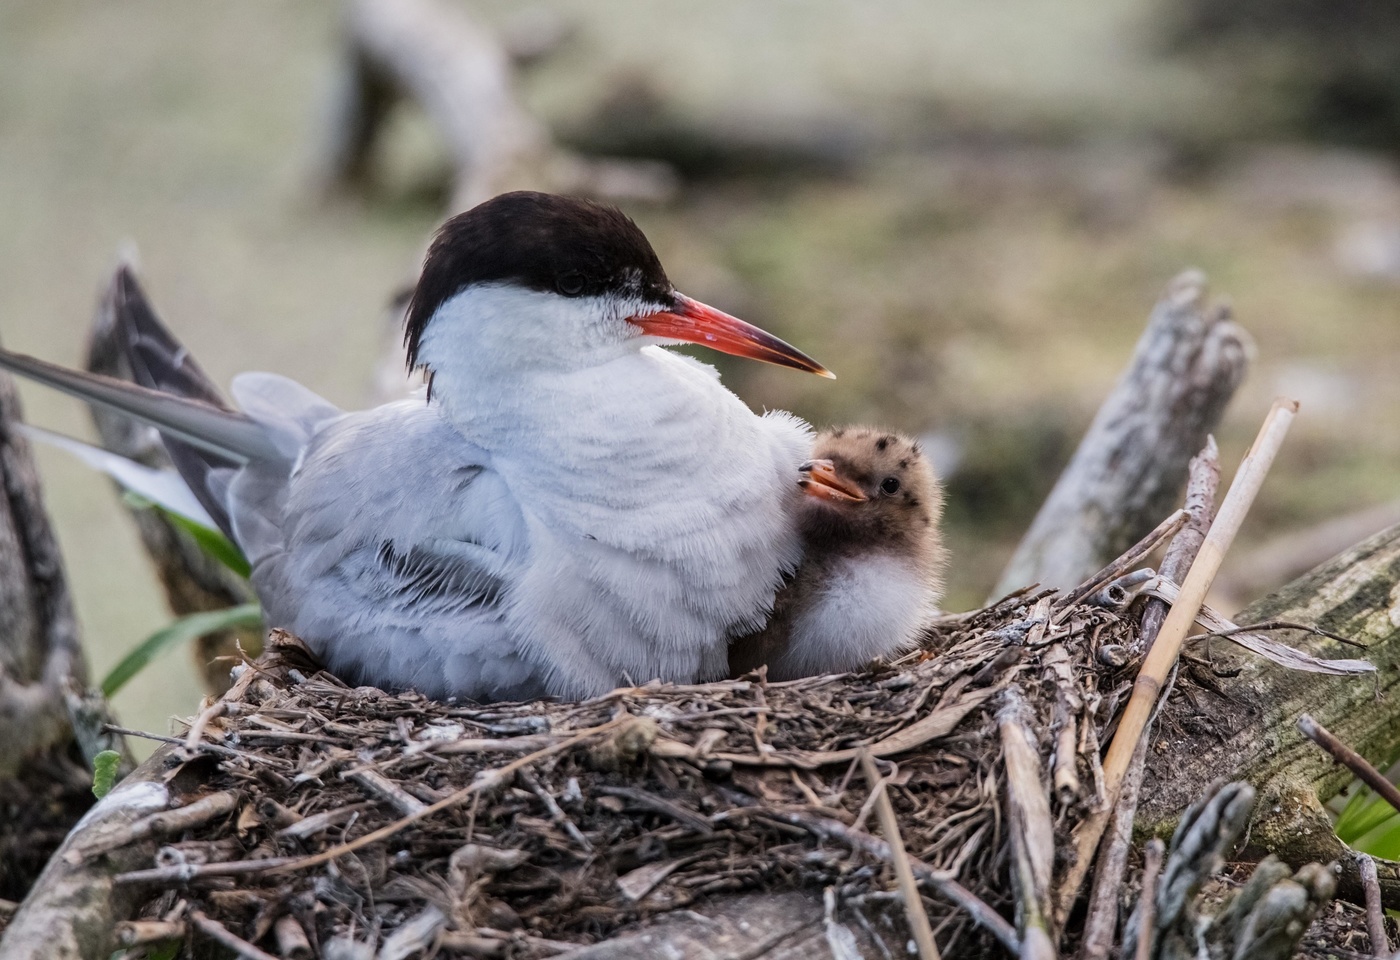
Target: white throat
x=635 y=461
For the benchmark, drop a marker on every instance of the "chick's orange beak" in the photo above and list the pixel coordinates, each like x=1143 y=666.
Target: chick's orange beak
x=694 y=322
x=820 y=479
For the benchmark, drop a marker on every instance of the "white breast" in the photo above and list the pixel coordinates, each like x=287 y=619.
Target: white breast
x=868 y=607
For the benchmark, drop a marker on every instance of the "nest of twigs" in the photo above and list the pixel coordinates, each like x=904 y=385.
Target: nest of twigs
x=520 y=829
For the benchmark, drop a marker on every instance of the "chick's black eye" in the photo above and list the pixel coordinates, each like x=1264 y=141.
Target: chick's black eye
x=890 y=485
x=570 y=284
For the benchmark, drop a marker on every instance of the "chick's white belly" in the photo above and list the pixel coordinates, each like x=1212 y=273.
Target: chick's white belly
x=867 y=607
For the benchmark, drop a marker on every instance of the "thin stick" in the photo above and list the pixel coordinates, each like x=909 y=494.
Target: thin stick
x=485 y=781
x=556 y=812
x=386 y=790
x=1375 y=919
x=941 y=881
x=1134 y=555
x=194 y=739
x=190 y=872
x=159 y=824
x=1165 y=649
x=909 y=890
x=1151 y=865
x=215 y=930
x=1350 y=759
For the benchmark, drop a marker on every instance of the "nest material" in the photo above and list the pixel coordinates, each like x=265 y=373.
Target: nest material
x=532 y=826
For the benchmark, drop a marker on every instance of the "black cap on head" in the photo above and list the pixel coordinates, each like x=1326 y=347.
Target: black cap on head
x=563 y=245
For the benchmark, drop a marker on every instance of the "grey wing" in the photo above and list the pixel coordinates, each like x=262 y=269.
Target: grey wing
x=400 y=547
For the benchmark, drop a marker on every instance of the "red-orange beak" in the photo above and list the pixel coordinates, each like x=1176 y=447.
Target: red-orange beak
x=820 y=479
x=694 y=322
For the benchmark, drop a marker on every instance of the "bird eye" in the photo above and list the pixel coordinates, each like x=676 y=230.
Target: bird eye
x=570 y=284
x=890 y=485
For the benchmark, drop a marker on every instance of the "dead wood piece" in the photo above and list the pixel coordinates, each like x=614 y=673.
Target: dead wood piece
x=221 y=934
x=1283 y=558
x=1147 y=902
x=437 y=56
x=1133 y=459
x=73 y=908
x=158 y=824
x=384 y=788
x=456 y=70
x=1160 y=662
x=1031 y=826
x=135 y=933
x=1375 y=916
x=53 y=726
x=291 y=938
x=43 y=674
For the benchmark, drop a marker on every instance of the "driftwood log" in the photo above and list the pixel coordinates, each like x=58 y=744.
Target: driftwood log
x=50 y=724
x=1129 y=469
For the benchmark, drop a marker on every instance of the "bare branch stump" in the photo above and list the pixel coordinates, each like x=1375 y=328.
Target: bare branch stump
x=1130 y=466
x=435 y=55
x=49 y=726
x=75 y=906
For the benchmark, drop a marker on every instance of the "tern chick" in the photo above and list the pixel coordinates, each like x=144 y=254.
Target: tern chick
x=873 y=559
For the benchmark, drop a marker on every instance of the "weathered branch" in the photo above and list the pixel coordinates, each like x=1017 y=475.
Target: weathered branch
x=1129 y=468
x=40 y=655
x=46 y=710
x=462 y=76
x=74 y=907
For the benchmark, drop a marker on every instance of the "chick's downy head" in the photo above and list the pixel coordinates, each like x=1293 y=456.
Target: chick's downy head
x=870 y=488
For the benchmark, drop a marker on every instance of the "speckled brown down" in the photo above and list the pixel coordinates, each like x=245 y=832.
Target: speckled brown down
x=871 y=576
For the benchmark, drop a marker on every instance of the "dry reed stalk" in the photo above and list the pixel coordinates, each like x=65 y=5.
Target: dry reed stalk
x=908 y=887
x=1100 y=924
x=1162 y=657
x=1167 y=646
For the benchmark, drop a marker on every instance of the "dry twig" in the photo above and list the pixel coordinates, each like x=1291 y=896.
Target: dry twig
x=908 y=889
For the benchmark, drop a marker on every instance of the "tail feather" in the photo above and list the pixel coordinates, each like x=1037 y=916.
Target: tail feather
x=158 y=361
x=220 y=432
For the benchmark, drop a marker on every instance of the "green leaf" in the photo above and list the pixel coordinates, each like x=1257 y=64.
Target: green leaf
x=211 y=540
x=181 y=631
x=214 y=543
x=1364 y=812
x=104 y=772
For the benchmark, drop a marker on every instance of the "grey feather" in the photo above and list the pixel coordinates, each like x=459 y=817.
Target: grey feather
x=220 y=432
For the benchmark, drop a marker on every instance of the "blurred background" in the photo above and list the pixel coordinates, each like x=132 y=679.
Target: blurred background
x=966 y=209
